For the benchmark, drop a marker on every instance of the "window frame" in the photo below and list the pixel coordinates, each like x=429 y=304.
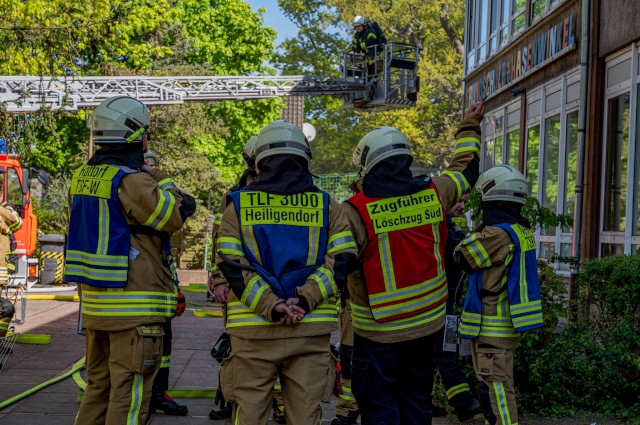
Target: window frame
x=538 y=97
x=504 y=131
x=627 y=239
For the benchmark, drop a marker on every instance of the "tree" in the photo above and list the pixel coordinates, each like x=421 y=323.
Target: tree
x=436 y=26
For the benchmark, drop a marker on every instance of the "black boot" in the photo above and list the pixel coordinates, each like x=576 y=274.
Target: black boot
x=351 y=419
x=485 y=402
x=165 y=405
x=467 y=407
x=224 y=413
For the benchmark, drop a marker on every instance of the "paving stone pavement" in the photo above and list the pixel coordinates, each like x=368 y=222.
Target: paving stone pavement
x=192 y=367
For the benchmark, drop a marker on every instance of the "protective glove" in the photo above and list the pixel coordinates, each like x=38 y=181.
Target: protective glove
x=182 y=304
x=337 y=385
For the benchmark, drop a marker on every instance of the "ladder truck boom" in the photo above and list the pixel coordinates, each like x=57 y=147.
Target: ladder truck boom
x=27 y=94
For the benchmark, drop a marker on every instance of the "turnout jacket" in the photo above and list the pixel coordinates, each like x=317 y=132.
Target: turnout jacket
x=503 y=298
x=10 y=222
x=449 y=187
x=251 y=317
x=150 y=205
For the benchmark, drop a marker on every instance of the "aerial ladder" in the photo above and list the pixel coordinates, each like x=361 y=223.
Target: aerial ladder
x=390 y=83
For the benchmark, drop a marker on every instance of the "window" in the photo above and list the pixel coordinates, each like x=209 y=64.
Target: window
x=518 y=17
x=513 y=147
x=620 y=202
x=533 y=151
x=501 y=135
x=615 y=191
x=539 y=8
x=571 y=165
x=550 y=167
x=14 y=189
x=482 y=30
x=551 y=157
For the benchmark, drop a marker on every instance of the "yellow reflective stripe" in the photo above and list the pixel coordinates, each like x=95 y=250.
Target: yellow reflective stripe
x=467 y=144
x=218 y=220
x=459 y=179
x=340 y=241
x=479 y=254
x=326 y=283
x=412 y=305
x=435 y=231
x=17 y=224
x=254 y=290
x=386 y=262
x=522 y=280
x=166 y=360
x=458 y=389
x=363 y=319
x=409 y=292
x=92 y=273
x=501 y=402
x=229 y=245
x=103 y=226
x=250 y=240
x=166 y=184
x=136 y=399
x=312 y=249
x=163 y=211
x=526 y=307
x=4 y=326
x=347 y=395
x=238 y=315
x=98 y=260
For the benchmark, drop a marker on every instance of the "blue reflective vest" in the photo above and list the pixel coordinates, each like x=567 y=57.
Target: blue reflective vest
x=283 y=236
x=523 y=289
x=99 y=236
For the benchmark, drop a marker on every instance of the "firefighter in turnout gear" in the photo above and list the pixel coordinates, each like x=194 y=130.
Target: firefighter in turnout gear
x=220 y=288
x=399 y=289
x=503 y=296
x=284 y=247
x=10 y=222
x=161 y=402
x=367 y=36
x=120 y=210
x=458 y=392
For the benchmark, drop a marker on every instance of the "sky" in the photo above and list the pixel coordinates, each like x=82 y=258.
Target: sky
x=274 y=18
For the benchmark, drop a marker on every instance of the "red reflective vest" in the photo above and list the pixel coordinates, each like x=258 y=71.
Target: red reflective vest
x=404 y=257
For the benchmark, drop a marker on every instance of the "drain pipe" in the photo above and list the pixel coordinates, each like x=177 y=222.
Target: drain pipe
x=582 y=131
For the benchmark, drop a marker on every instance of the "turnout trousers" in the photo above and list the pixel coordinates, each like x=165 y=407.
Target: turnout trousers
x=121 y=367
x=392 y=382
x=494 y=367
x=307 y=374
x=161 y=381
x=346 y=402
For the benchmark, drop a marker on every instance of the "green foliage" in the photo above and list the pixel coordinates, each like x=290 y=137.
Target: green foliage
x=52 y=209
x=538 y=216
x=592 y=363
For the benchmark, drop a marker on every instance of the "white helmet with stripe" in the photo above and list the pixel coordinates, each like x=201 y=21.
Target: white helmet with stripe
x=380 y=143
x=120 y=119
x=503 y=183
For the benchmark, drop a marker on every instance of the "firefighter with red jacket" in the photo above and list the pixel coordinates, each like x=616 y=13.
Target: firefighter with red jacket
x=399 y=290
x=120 y=210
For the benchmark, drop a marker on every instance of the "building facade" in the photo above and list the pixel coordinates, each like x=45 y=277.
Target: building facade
x=524 y=58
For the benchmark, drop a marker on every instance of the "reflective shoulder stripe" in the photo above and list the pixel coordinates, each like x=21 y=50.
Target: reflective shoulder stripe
x=371 y=35
x=458 y=389
x=466 y=144
x=340 y=241
x=479 y=254
x=166 y=360
x=164 y=209
x=460 y=180
x=229 y=245
x=324 y=278
x=166 y=184
x=254 y=290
